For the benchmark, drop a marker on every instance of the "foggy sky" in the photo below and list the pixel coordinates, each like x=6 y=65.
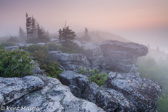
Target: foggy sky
x=118 y=16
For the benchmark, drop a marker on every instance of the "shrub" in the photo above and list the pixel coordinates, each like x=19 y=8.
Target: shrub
x=53 y=47
x=156 y=71
x=71 y=47
x=2 y=47
x=98 y=78
x=34 y=48
x=81 y=70
x=163 y=103
x=15 y=63
x=41 y=55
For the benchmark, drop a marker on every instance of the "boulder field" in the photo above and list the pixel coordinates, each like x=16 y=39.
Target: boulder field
x=124 y=89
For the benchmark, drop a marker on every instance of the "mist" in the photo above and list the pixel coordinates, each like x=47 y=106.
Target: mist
x=142 y=21
x=120 y=45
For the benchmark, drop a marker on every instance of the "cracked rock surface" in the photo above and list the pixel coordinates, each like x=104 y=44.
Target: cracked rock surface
x=53 y=97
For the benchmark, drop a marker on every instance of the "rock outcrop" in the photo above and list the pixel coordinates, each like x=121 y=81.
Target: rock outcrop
x=142 y=93
x=114 y=55
x=75 y=81
x=42 y=94
x=125 y=92
x=14 y=88
x=70 y=61
x=108 y=99
x=121 y=56
x=106 y=56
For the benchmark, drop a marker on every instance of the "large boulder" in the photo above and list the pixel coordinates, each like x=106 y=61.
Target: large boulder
x=76 y=82
x=53 y=97
x=70 y=61
x=14 y=88
x=114 y=55
x=121 y=56
x=108 y=99
x=142 y=93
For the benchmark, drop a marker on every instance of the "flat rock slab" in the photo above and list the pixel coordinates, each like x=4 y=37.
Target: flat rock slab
x=14 y=88
x=53 y=97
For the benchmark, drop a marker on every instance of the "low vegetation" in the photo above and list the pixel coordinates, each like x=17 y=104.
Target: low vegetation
x=11 y=41
x=67 y=47
x=15 y=63
x=41 y=55
x=95 y=76
x=158 y=72
x=163 y=103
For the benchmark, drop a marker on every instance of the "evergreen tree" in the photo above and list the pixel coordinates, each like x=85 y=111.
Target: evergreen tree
x=87 y=37
x=28 y=26
x=35 y=33
x=66 y=34
x=22 y=34
x=34 y=28
x=42 y=34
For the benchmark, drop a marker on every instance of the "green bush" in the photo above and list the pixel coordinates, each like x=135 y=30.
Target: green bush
x=41 y=55
x=98 y=78
x=71 y=47
x=53 y=47
x=163 y=103
x=34 y=48
x=83 y=71
x=15 y=63
x=2 y=46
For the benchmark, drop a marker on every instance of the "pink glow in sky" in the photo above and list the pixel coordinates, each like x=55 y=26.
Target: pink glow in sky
x=96 y=14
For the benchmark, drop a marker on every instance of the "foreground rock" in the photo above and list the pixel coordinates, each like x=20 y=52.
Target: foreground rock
x=108 y=99
x=14 y=88
x=125 y=92
x=142 y=93
x=53 y=97
x=75 y=81
x=70 y=61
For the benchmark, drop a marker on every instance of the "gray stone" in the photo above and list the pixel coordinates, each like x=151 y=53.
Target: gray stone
x=70 y=61
x=142 y=93
x=53 y=97
x=76 y=82
x=36 y=69
x=108 y=99
x=121 y=56
x=114 y=55
x=12 y=48
x=14 y=88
